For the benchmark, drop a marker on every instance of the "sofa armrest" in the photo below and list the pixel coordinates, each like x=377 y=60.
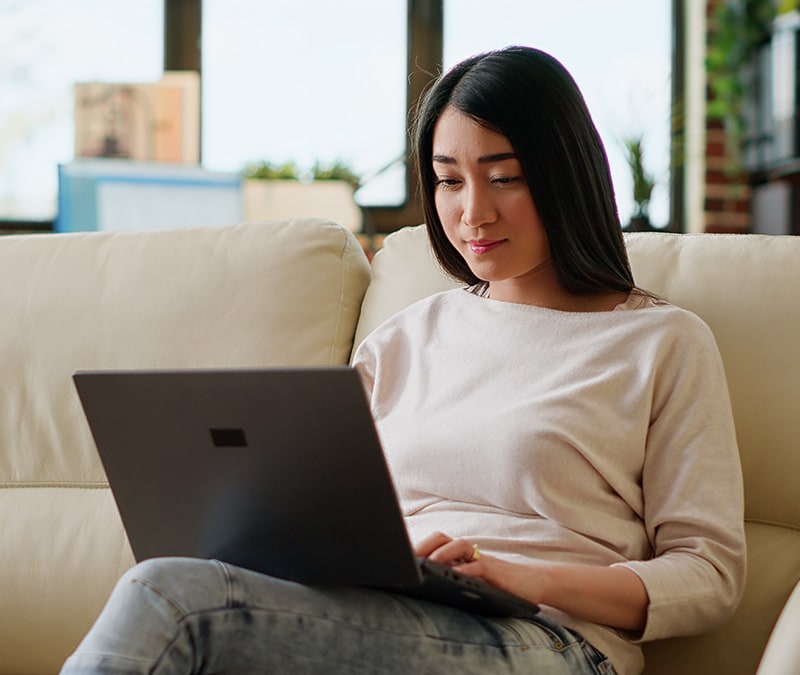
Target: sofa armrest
x=782 y=654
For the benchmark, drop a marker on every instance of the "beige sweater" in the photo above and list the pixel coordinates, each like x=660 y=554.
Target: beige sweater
x=599 y=438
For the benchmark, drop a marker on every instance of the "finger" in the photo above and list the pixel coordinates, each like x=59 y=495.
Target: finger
x=430 y=543
x=472 y=569
x=454 y=552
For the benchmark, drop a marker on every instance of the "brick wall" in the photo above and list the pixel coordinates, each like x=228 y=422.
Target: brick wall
x=727 y=192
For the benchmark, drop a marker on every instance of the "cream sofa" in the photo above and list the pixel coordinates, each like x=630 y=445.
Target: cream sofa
x=301 y=292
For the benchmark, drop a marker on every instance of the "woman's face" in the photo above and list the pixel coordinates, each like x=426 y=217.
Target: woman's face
x=486 y=208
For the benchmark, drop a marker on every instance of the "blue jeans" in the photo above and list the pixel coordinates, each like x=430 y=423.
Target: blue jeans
x=181 y=615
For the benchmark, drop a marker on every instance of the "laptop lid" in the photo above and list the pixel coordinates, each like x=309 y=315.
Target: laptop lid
x=274 y=470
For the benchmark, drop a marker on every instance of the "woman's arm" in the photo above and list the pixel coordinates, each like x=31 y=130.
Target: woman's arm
x=614 y=596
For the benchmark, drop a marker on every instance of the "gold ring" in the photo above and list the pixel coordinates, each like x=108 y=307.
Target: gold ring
x=476 y=553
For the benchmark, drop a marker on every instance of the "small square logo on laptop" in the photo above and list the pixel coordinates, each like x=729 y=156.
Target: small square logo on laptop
x=228 y=438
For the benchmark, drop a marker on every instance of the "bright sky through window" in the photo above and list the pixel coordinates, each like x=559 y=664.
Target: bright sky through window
x=303 y=80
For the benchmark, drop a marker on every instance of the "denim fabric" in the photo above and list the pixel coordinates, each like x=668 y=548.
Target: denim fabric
x=180 y=615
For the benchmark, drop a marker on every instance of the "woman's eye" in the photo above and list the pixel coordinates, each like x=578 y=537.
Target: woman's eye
x=506 y=180
x=446 y=182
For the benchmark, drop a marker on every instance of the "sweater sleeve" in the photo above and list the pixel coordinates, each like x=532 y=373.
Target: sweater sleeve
x=693 y=495
x=365 y=364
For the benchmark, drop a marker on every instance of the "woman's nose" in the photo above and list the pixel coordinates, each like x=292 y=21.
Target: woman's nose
x=478 y=207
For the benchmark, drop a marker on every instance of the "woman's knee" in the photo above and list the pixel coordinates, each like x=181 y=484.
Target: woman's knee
x=188 y=584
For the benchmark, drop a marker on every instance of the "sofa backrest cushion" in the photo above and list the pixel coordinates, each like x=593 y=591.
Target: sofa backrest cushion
x=262 y=294
x=285 y=292
x=747 y=288
x=404 y=270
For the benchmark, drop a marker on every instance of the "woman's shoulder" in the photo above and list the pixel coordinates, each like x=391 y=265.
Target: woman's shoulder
x=670 y=325
x=429 y=305
x=420 y=314
x=666 y=310
x=404 y=331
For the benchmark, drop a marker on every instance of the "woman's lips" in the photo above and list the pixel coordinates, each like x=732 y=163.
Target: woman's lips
x=481 y=246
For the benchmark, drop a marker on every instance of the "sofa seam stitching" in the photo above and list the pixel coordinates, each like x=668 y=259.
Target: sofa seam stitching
x=342 y=277
x=773 y=523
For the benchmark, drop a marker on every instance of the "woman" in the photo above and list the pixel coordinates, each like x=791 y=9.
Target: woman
x=551 y=429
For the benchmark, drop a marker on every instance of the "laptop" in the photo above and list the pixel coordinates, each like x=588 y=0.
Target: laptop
x=278 y=470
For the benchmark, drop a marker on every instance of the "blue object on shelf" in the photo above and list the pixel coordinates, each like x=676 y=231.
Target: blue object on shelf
x=118 y=194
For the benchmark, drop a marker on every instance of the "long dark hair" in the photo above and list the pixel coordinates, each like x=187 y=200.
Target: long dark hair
x=530 y=98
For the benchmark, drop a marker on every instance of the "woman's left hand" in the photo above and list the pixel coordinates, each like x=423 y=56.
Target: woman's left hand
x=466 y=557
x=612 y=595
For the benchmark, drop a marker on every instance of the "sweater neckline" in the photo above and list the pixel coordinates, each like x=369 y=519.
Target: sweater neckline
x=636 y=299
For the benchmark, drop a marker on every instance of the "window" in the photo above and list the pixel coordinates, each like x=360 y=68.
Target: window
x=304 y=81
x=45 y=47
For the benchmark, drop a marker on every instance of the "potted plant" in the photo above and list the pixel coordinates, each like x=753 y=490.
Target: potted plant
x=276 y=191
x=643 y=184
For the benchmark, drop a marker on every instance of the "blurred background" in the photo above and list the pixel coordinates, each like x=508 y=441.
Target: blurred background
x=301 y=87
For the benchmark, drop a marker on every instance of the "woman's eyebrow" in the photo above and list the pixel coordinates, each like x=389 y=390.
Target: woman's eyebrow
x=497 y=157
x=484 y=159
